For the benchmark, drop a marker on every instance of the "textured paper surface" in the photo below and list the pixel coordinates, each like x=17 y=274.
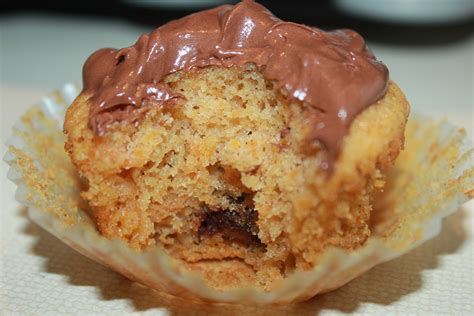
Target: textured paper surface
x=41 y=275
x=390 y=286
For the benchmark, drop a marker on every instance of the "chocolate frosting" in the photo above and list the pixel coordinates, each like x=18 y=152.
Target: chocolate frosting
x=332 y=72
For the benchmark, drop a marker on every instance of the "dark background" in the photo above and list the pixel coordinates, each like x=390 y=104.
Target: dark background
x=323 y=14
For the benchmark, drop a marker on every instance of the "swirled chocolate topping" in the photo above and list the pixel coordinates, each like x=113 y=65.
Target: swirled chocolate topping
x=333 y=72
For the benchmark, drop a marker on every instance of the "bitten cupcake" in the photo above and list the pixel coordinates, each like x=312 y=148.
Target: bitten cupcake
x=232 y=157
x=242 y=145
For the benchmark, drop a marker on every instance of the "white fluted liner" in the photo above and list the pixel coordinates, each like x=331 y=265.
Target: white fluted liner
x=432 y=178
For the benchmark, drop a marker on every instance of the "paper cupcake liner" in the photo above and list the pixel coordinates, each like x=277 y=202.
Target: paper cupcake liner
x=432 y=178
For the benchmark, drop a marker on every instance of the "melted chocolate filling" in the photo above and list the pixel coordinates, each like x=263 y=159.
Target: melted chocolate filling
x=237 y=225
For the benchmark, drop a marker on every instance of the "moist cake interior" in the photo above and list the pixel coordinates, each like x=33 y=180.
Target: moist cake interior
x=224 y=179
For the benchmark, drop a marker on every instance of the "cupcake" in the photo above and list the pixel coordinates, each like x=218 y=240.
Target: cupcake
x=241 y=144
x=232 y=156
